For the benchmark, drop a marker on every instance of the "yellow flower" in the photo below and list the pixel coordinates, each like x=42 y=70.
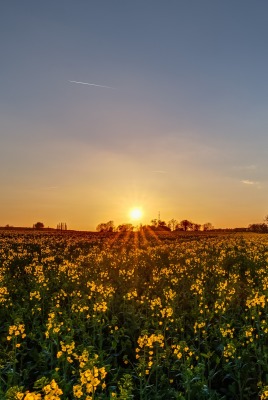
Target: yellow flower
x=19 y=395
x=77 y=390
x=32 y=396
x=52 y=391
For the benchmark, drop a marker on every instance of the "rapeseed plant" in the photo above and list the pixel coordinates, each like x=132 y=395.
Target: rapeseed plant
x=170 y=318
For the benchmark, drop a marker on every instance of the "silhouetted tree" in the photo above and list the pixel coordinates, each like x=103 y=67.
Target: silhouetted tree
x=196 y=227
x=259 y=228
x=106 y=227
x=39 y=225
x=186 y=225
x=154 y=222
x=172 y=224
x=158 y=225
x=207 y=226
x=161 y=223
x=62 y=226
x=125 y=228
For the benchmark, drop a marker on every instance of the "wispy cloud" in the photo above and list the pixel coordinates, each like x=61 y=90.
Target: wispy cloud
x=92 y=84
x=159 y=172
x=248 y=182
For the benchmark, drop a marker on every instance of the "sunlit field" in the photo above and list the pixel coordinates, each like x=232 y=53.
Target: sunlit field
x=134 y=315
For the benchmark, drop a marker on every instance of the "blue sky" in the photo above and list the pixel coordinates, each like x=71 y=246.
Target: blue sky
x=182 y=130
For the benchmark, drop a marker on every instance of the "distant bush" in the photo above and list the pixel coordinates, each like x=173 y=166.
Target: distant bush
x=259 y=228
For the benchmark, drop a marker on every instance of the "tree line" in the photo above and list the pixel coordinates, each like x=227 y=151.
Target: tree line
x=156 y=225
x=261 y=227
x=160 y=225
x=175 y=226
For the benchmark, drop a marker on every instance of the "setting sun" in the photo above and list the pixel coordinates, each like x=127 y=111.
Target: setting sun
x=135 y=213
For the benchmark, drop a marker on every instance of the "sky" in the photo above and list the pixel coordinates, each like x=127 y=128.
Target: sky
x=173 y=118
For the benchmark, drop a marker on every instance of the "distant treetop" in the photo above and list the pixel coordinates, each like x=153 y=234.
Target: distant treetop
x=39 y=225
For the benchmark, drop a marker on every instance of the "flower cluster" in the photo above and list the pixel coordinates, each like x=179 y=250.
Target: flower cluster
x=181 y=350
x=264 y=393
x=90 y=380
x=15 y=332
x=52 y=391
x=53 y=326
x=3 y=294
x=66 y=350
x=229 y=351
x=147 y=349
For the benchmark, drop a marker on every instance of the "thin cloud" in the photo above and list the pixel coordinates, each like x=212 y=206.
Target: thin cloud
x=160 y=172
x=247 y=182
x=92 y=84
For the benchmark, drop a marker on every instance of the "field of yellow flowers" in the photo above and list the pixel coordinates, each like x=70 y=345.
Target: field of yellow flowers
x=133 y=315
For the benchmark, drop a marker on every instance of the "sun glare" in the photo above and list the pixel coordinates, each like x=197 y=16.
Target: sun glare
x=135 y=213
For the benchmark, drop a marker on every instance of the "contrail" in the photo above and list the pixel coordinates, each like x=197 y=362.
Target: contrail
x=92 y=84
